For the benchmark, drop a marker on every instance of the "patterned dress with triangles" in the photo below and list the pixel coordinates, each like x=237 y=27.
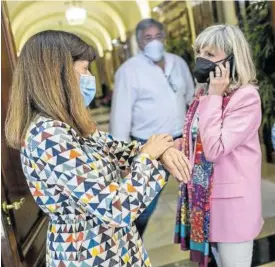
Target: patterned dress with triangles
x=78 y=182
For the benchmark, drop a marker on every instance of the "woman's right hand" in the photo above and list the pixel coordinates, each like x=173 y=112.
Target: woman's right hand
x=157 y=145
x=177 y=164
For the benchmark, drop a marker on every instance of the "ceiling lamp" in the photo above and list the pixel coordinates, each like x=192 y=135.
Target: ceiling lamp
x=76 y=15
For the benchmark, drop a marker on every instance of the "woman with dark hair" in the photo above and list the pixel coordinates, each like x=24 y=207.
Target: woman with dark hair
x=74 y=171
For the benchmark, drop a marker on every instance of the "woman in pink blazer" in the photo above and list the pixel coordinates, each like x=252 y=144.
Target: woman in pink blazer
x=221 y=205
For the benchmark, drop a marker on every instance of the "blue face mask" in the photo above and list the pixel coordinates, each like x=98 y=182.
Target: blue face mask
x=87 y=88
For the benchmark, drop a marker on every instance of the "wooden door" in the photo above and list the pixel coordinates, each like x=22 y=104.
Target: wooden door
x=23 y=230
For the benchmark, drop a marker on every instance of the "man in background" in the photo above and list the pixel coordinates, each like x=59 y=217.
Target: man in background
x=151 y=94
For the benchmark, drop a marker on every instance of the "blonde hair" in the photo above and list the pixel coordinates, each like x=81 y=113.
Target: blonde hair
x=231 y=40
x=45 y=83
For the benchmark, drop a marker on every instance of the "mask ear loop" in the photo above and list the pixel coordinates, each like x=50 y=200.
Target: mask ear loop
x=228 y=58
x=83 y=74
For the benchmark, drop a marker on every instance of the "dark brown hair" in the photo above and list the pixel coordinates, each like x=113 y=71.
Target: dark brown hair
x=45 y=83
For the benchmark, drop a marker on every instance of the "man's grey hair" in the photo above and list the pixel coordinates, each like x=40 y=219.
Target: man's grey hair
x=147 y=23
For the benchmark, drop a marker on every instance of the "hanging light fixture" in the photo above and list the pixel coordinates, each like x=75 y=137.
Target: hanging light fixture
x=76 y=15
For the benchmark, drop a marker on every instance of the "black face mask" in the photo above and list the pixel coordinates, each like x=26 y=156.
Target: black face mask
x=203 y=67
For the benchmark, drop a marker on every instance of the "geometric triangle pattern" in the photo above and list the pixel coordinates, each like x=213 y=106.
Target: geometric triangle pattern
x=78 y=182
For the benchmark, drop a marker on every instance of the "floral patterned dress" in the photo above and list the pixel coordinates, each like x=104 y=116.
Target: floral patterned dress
x=78 y=183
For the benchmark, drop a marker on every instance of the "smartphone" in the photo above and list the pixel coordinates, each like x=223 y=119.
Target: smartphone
x=231 y=62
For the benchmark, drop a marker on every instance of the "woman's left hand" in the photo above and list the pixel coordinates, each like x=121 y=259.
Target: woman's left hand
x=220 y=82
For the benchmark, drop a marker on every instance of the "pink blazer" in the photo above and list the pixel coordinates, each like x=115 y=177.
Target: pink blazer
x=230 y=139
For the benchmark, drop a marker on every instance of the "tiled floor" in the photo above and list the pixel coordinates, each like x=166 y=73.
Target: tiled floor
x=158 y=237
x=271 y=264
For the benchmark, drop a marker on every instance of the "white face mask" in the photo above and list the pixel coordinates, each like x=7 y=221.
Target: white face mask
x=154 y=50
x=87 y=88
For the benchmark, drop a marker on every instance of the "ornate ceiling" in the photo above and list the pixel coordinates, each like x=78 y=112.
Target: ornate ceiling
x=106 y=20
